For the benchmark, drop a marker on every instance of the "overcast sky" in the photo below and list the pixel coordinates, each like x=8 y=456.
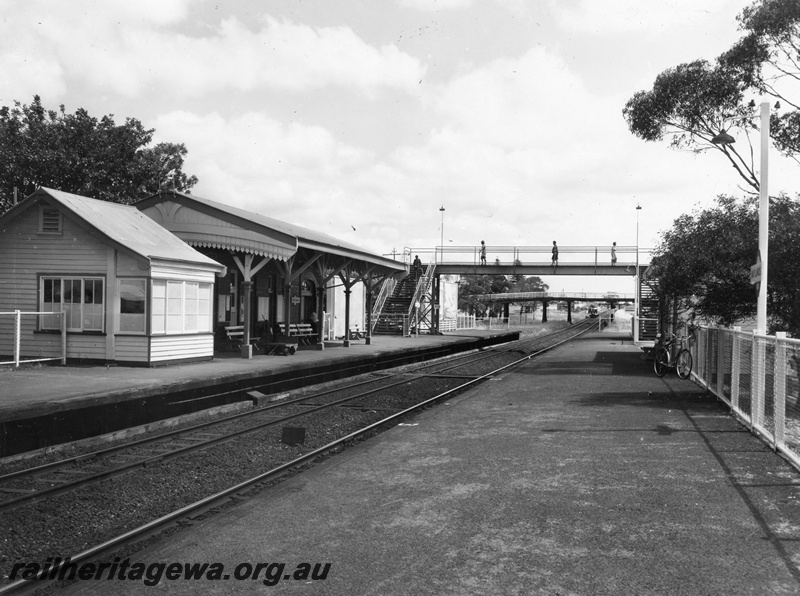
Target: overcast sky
x=362 y=118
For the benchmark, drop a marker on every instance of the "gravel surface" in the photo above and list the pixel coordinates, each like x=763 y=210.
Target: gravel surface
x=67 y=524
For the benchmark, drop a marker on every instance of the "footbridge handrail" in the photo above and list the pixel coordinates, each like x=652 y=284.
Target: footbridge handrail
x=524 y=255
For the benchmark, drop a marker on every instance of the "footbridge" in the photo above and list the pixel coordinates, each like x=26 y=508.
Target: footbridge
x=532 y=260
x=418 y=299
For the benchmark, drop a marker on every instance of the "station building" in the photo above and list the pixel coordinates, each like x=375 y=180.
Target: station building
x=159 y=281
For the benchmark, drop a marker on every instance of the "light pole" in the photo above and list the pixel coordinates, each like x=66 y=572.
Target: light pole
x=763 y=222
x=442 y=231
x=723 y=138
x=638 y=208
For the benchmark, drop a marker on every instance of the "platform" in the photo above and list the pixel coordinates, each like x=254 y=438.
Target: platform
x=578 y=473
x=47 y=405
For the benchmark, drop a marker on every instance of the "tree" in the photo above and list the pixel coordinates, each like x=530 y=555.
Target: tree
x=767 y=59
x=472 y=285
x=531 y=283
x=83 y=155
x=704 y=262
x=693 y=102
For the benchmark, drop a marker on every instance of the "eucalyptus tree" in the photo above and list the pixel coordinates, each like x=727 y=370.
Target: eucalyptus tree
x=697 y=103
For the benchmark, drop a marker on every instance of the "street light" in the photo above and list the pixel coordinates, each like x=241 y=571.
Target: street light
x=723 y=138
x=442 y=230
x=638 y=282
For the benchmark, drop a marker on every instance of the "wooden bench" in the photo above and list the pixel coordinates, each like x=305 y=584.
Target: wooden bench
x=303 y=332
x=235 y=334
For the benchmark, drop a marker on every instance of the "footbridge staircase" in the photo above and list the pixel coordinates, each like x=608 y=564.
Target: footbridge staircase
x=649 y=311
x=408 y=307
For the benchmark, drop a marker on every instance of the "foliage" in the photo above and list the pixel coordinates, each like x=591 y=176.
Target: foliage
x=472 y=285
x=531 y=283
x=767 y=59
x=80 y=154
x=705 y=259
x=693 y=102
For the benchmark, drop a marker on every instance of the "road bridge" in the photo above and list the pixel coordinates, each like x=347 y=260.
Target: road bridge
x=611 y=298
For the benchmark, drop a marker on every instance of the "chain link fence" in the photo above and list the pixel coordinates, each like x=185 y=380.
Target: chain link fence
x=758 y=377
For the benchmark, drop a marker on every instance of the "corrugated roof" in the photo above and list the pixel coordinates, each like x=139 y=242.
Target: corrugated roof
x=128 y=227
x=306 y=238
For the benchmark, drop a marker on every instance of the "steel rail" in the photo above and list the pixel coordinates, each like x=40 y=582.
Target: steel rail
x=264 y=477
x=146 y=461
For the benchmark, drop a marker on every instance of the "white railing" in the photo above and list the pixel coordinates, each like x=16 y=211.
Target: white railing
x=14 y=333
x=387 y=288
x=758 y=377
x=460 y=321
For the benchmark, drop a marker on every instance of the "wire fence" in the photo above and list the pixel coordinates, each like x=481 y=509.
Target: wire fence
x=758 y=377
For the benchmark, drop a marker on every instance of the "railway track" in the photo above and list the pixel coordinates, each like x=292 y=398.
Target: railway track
x=379 y=400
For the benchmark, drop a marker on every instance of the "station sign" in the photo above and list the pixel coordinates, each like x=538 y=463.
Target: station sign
x=755 y=271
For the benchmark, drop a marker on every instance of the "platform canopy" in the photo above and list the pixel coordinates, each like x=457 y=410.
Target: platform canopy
x=204 y=223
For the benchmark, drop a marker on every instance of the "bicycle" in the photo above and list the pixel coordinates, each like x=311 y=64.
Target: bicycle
x=664 y=361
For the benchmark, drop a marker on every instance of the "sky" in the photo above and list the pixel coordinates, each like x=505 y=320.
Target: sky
x=362 y=119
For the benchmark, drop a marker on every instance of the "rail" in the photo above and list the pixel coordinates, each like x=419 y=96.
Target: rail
x=508 y=356
x=534 y=255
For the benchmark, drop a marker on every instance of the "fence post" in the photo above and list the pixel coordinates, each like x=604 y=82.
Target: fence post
x=63 y=338
x=735 y=355
x=779 y=388
x=757 y=382
x=17 y=336
x=721 y=333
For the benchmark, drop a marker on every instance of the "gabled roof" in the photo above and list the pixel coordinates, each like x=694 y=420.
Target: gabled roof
x=284 y=238
x=125 y=227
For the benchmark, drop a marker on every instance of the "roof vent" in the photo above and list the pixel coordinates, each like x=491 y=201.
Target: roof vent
x=50 y=221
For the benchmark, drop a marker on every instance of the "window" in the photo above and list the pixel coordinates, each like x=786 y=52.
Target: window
x=132 y=300
x=181 y=307
x=50 y=221
x=80 y=298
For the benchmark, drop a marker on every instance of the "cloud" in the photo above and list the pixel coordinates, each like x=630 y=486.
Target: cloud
x=231 y=57
x=622 y=16
x=434 y=5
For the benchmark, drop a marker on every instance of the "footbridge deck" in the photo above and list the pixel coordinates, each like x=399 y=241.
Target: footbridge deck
x=533 y=260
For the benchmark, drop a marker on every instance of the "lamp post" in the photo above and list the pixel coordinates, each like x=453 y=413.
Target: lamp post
x=638 y=208
x=442 y=231
x=723 y=138
x=763 y=221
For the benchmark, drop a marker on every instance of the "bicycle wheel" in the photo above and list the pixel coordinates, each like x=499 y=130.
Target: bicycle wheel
x=661 y=362
x=683 y=363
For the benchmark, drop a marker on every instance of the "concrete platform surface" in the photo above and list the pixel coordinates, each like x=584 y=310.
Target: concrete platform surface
x=34 y=390
x=579 y=473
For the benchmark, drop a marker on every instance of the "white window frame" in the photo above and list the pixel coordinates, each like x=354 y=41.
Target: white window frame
x=126 y=318
x=181 y=307
x=79 y=311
